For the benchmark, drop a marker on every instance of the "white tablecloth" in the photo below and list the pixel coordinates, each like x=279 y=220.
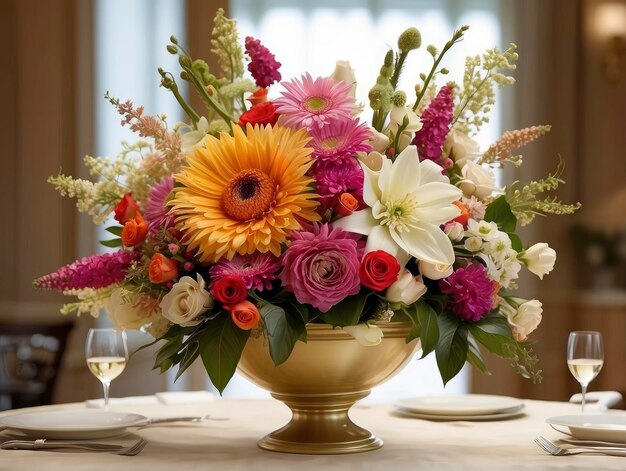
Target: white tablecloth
x=410 y=444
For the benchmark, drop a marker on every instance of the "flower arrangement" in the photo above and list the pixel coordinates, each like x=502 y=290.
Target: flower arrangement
x=279 y=206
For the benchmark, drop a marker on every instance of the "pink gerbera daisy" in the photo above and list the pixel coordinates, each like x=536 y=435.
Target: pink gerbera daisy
x=315 y=103
x=340 y=139
x=256 y=270
x=157 y=212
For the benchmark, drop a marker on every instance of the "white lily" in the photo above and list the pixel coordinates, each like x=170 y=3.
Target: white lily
x=192 y=138
x=407 y=200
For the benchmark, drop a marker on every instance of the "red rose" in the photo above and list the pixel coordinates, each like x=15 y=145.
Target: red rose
x=259 y=96
x=378 y=270
x=245 y=315
x=229 y=290
x=346 y=204
x=261 y=113
x=126 y=209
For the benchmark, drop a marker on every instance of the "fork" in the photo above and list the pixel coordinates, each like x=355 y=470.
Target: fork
x=556 y=450
x=41 y=443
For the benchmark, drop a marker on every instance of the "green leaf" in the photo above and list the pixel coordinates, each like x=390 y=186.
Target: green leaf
x=495 y=337
x=429 y=327
x=191 y=353
x=516 y=242
x=500 y=212
x=493 y=323
x=221 y=345
x=112 y=243
x=168 y=350
x=283 y=331
x=115 y=230
x=308 y=315
x=474 y=357
x=347 y=312
x=451 y=350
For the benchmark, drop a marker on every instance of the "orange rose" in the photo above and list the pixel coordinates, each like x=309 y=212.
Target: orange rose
x=245 y=315
x=259 y=96
x=135 y=231
x=346 y=205
x=462 y=219
x=126 y=209
x=162 y=269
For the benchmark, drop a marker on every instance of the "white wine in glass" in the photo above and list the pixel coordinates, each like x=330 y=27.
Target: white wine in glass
x=585 y=357
x=107 y=355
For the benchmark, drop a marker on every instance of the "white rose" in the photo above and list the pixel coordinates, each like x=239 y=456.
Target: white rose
x=435 y=271
x=133 y=312
x=478 y=181
x=406 y=289
x=461 y=148
x=396 y=118
x=187 y=300
x=525 y=319
x=367 y=335
x=454 y=231
x=379 y=141
x=539 y=259
x=344 y=71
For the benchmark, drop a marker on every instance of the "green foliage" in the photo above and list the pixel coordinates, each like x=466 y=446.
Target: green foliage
x=425 y=326
x=347 y=312
x=452 y=348
x=283 y=331
x=500 y=212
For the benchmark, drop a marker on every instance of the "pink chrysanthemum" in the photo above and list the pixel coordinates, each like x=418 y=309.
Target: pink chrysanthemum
x=340 y=140
x=322 y=267
x=310 y=104
x=263 y=64
x=332 y=179
x=157 y=212
x=436 y=120
x=96 y=271
x=471 y=291
x=256 y=270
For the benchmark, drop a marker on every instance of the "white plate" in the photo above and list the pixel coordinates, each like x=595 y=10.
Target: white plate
x=602 y=427
x=473 y=418
x=71 y=424
x=470 y=404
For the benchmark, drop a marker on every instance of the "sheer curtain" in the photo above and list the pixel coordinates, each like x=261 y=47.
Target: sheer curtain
x=311 y=36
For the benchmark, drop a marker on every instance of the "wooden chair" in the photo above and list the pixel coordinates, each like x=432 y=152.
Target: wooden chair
x=30 y=357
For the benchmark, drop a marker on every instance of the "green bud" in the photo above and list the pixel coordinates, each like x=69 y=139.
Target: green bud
x=172 y=49
x=410 y=39
x=201 y=68
x=388 y=59
x=398 y=99
x=464 y=27
x=444 y=71
x=161 y=71
x=432 y=50
x=385 y=72
x=423 y=76
x=184 y=61
x=185 y=76
x=418 y=89
x=173 y=39
x=375 y=95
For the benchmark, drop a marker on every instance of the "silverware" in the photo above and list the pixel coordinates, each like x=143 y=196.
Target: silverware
x=556 y=450
x=43 y=444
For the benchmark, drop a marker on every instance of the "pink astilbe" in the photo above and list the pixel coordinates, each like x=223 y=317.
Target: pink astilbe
x=157 y=213
x=263 y=64
x=503 y=149
x=472 y=293
x=436 y=120
x=96 y=271
x=322 y=267
x=257 y=270
x=332 y=179
x=340 y=140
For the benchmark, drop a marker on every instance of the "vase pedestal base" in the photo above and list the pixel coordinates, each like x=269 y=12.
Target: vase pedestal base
x=320 y=425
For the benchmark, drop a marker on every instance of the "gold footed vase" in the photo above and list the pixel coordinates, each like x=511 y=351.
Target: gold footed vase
x=321 y=380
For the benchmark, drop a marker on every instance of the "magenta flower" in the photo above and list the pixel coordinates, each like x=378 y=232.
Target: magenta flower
x=256 y=270
x=263 y=65
x=322 y=267
x=157 y=212
x=332 y=179
x=340 y=140
x=436 y=120
x=95 y=271
x=308 y=103
x=471 y=291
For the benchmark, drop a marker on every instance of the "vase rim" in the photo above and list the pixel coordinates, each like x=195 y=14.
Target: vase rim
x=328 y=332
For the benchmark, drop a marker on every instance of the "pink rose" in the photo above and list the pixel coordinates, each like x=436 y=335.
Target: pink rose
x=322 y=267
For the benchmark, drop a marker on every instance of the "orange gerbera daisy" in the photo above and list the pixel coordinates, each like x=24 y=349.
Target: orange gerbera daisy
x=244 y=193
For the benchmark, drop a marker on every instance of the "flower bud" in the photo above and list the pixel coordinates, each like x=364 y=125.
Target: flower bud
x=435 y=271
x=172 y=49
x=344 y=72
x=432 y=50
x=539 y=259
x=410 y=39
x=454 y=231
x=406 y=289
x=398 y=99
x=367 y=335
x=388 y=62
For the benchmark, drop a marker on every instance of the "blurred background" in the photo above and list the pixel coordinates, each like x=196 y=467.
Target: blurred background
x=60 y=56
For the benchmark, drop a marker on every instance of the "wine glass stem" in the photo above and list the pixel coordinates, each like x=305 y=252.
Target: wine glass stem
x=584 y=393
x=105 y=388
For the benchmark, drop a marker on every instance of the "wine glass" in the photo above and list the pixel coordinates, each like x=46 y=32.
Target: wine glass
x=107 y=353
x=585 y=357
